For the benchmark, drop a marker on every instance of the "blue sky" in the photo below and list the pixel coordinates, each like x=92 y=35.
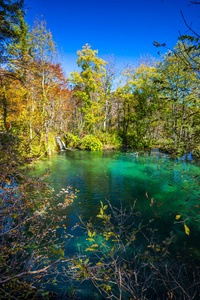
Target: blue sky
x=124 y=28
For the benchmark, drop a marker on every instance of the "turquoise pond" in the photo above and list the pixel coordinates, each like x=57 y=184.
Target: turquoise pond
x=122 y=178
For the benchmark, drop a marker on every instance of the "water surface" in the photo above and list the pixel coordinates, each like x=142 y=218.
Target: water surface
x=122 y=178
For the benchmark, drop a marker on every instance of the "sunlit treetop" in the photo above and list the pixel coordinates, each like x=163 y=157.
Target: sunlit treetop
x=92 y=69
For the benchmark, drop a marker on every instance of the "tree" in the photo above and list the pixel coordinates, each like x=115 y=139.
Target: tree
x=191 y=44
x=179 y=89
x=11 y=14
x=43 y=50
x=88 y=88
x=10 y=11
x=19 y=51
x=137 y=101
x=108 y=82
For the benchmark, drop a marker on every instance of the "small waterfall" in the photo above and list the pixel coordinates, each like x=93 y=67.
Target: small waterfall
x=60 y=143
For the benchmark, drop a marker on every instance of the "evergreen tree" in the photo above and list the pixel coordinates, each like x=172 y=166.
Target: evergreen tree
x=10 y=12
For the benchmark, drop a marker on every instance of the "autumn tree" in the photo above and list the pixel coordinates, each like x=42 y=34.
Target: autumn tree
x=88 y=89
x=11 y=16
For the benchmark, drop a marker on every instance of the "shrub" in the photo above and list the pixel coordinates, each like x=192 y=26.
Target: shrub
x=72 y=141
x=91 y=142
x=133 y=140
x=110 y=140
x=196 y=151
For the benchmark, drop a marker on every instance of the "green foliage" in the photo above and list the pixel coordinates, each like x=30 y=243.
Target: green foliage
x=72 y=141
x=196 y=151
x=110 y=140
x=88 y=87
x=91 y=142
x=11 y=10
x=134 y=139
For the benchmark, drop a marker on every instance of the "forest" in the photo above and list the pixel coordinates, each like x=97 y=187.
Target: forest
x=154 y=105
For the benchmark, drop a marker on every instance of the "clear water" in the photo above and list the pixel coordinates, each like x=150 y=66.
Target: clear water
x=123 y=177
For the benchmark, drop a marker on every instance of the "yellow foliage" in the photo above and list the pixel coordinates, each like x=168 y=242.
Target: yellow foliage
x=187 y=230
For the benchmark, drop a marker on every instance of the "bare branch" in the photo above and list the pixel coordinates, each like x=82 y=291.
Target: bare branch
x=32 y=272
x=194 y=2
x=188 y=26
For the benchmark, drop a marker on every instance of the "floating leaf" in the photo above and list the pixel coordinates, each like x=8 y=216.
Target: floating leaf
x=178 y=217
x=187 y=230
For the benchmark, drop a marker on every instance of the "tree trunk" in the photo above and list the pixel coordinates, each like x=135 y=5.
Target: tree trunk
x=5 y=108
x=47 y=140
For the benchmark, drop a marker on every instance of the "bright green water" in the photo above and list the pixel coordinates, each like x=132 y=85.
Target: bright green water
x=122 y=177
